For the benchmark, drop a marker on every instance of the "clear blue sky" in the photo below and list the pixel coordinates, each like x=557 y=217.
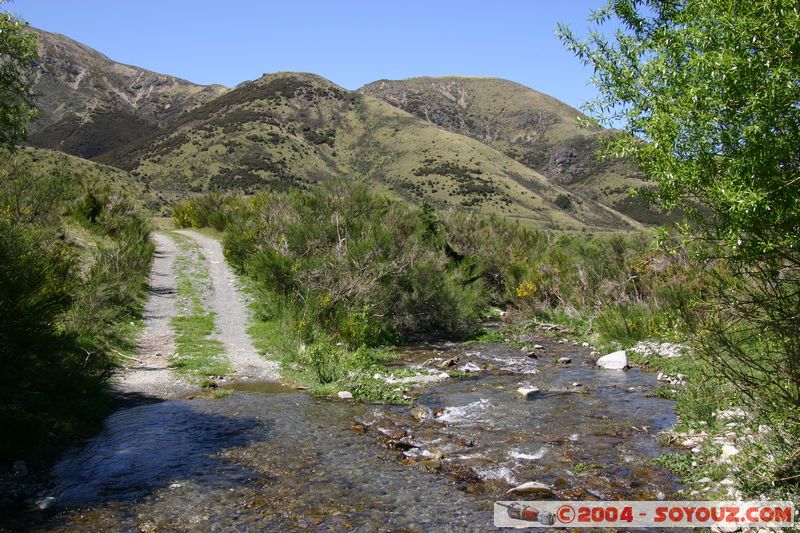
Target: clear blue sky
x=348 y=42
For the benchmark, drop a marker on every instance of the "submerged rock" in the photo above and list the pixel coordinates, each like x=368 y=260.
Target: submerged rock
x=431 y=464
x=614 y=361
x=45 y=504
x=527 y=392
x=532 y=487
x=421 y=412
x=564 y=360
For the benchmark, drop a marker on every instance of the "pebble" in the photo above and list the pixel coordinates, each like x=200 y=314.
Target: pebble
x=576 y=384
x=728 y=451
x=735 y=412
x=564 y=360
x=345 y=395
x=691 y=442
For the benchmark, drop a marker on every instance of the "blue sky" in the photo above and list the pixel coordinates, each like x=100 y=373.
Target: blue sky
x=348 y=42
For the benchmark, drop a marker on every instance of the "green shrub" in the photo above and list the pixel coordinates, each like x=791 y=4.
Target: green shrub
x=66 y=304
x=359 y=267
x=626 y=324
x=326 y=360
x=209 y=210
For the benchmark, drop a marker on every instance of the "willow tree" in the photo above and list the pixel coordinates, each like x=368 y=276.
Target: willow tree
x=17 y=57
x=709 y=91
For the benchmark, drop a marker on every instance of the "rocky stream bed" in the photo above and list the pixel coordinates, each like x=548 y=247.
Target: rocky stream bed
x=271 y=458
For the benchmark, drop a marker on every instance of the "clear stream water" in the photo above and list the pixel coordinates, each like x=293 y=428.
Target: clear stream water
x=270 y=458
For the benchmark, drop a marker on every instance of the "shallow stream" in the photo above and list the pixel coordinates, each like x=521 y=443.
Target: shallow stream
x=269 y=458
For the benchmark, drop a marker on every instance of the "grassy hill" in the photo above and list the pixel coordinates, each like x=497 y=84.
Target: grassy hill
x=89 y=104
x=533 y=128
x=292 y=129
x=75 y=171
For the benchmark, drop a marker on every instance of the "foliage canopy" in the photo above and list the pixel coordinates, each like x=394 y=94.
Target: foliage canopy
x=17 y=54
x=714 y=90
x=710 y=93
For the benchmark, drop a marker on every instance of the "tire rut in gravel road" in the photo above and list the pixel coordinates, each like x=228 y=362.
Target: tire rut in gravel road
x=149 y=374
x=232 y=315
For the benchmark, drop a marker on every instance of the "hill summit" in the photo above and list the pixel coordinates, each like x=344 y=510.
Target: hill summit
x=89 y=104
x=539 y=131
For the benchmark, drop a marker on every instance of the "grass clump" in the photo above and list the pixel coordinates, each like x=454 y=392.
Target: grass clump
x=196 y=353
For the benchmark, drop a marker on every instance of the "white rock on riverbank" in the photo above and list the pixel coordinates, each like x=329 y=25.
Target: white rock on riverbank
x=614 y=361
x=660 y=349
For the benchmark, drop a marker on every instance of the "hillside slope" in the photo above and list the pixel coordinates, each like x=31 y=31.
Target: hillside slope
x=89 y=104
x=294 y=129
x=533 y=128
x=78 y=171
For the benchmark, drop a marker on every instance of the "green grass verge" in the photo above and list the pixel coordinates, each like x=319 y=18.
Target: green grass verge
x=197 y=354
x=321 y=367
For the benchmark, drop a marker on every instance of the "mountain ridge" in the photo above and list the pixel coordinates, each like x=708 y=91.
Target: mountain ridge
x=89 y=104
x=534 y=128
x=293 y=129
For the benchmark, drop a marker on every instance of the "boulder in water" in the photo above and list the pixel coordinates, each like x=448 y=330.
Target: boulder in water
x=447 y=363
x=470 y=367
x=45 y=504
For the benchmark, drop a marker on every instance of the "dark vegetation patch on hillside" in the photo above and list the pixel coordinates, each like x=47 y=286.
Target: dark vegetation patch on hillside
x=103 y=131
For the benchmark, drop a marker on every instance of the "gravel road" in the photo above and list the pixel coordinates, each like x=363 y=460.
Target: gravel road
x=232 y=315
x=149 y=374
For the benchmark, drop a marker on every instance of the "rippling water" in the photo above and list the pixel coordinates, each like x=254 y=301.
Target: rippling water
x=267 y=459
